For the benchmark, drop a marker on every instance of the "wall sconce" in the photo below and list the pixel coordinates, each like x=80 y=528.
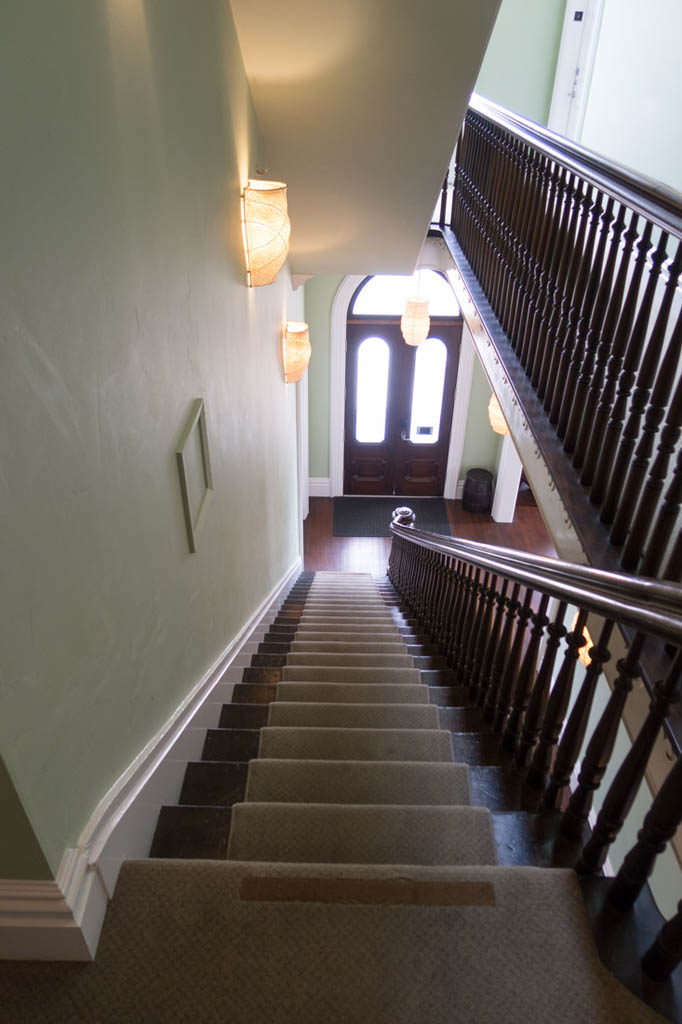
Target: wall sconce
x=296 y=349
x=583 y=653
x=266 y=228
x=496 y=417
x=415 y=321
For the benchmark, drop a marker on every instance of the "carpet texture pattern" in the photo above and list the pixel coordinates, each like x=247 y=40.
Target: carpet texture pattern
x=361 y=886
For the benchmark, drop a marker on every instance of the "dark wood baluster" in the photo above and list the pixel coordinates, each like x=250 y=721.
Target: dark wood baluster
x=539 y=337
x=660 y=825
x=600 y=747
x=442 y=212
x=510 y=673
x=494 y=641
x=568 y=234
x=430 y=584
x=459 y=591
x=448 y=602
x=673 y=570
x=601 y=277
x=459 y=634
x=665 y=953
x=502 y=204
x=576 y=726
x=538 y=697
x=484 y=638
x=502 y=653
x=584 y=297
x=608 y=332
x=529 y=298
x=655 y=412
x=526 y=676
x=468 y=620
x=478 y=614
x=555 y=713
x=631 y=359
x=569 y=306
x=524 y=219
x=626 y=783
x=664 y=524
x=441 y=598
x=613 y=367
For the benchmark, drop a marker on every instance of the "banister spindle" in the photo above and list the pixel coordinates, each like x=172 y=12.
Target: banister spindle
x=528 y=300
x=484 y=640
x=502 y=653
x=494 y=640
x=526 y=676
x=510 y=673
x=576 y=726
x=555 y=713
x=458 y=633
x=627 y=780
x=478 y=617
x=660 y=825
x=537 y=702
x=468 y=620
x=600 y=746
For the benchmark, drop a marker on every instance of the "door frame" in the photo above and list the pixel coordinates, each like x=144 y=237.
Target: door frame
x=337 y=389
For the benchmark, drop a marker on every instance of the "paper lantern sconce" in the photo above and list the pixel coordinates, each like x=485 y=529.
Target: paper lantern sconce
x=415 y=321
x=496 y=416
x=296 y=350
x=266 y=227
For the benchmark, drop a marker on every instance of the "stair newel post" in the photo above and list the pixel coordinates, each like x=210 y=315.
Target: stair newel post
x=614 y=364
x=521 y=694
x=537 y=701
x=600 y=747
x=568 y=309
x=619 y=505
x=605 y=340
x=665 y=952
x=660 y=825
x=606 y=488
x=468 y=619
x=670 y=435
x=479 y=615
x=572 y=739
x=557 y=704
x=594 y=310
x=502 y=653
x=466 y=582
x=627 y=780
x=494 y=639
x=484 y=638
x=510 y=673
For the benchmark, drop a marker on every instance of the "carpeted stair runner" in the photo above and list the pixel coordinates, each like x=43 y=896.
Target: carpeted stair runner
x=361 y=886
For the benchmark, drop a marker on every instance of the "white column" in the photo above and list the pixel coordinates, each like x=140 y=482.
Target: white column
x=508 y=478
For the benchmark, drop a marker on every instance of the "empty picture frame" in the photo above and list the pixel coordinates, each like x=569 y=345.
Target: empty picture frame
x=194 y=467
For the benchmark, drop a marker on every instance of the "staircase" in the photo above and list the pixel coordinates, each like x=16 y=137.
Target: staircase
x=373 y=871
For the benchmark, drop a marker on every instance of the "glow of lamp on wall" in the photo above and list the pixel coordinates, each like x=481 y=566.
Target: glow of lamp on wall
x=296 y=349
x=415 y=321
x=495 y=416
x=266 y=229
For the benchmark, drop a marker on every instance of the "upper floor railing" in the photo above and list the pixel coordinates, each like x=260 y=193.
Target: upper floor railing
x=580 y=262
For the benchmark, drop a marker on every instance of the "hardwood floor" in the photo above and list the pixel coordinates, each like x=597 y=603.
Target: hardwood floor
x=370 y=554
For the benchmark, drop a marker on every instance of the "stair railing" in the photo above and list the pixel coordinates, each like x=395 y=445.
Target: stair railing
x=580 y=262
x=486 y=607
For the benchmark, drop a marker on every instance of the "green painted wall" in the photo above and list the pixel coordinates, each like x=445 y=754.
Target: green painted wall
x=319 y=295
x=481 y=443
x=127 y=131
x=520 y=63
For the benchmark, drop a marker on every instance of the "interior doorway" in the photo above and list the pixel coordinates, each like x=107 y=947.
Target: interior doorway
x=399 y=398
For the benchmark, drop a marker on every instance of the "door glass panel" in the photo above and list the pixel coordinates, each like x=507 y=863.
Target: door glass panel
x=386 y=295
x=427 y=391
x=372 y=391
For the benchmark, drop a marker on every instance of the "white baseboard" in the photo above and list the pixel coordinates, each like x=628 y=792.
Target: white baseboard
x=319 y=487
x=62 y=920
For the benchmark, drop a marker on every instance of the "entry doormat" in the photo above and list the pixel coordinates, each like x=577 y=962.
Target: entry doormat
x=371 y=517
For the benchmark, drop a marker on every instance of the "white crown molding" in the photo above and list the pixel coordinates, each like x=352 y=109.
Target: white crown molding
x=62 y=919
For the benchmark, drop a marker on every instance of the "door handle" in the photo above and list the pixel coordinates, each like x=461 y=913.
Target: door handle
x=403 y=430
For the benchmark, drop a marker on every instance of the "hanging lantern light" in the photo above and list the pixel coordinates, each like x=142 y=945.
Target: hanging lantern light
x=415 y=321
x=296 y=349
x=266 y=228
x=496 y=417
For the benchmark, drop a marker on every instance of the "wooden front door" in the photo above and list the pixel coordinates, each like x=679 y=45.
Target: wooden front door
x=398 y=407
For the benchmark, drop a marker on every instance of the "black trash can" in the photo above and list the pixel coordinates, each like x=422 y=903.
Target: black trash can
x=478 y=490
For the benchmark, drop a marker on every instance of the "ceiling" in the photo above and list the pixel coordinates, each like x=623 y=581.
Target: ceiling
x=359 y=104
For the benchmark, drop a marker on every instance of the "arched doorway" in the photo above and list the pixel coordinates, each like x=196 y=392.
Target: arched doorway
x=398 y=398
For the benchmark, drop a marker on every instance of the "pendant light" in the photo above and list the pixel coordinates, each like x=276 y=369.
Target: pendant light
x=415 y=321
